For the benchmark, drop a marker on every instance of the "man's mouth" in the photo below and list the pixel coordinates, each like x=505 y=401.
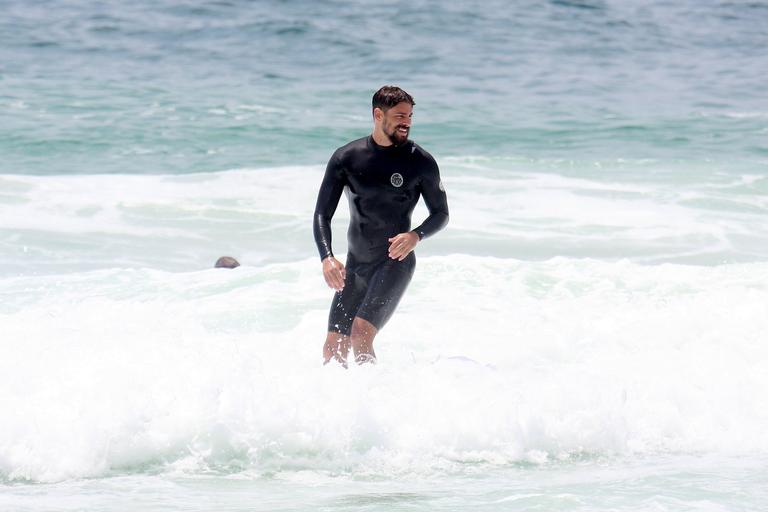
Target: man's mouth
x=402 y=130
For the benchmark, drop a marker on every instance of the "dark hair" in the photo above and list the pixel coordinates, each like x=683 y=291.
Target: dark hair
x=389 y=96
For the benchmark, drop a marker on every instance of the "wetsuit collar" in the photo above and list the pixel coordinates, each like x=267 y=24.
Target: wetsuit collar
x=372 y=144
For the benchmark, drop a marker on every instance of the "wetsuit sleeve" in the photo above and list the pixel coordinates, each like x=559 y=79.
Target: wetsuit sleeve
x=327 y=201
x=436 y=200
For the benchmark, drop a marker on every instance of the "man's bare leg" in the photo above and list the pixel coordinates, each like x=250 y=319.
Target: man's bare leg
x=336 y=347
x=361 y=338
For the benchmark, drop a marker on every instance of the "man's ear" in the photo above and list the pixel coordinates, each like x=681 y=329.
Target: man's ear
x=378 y=114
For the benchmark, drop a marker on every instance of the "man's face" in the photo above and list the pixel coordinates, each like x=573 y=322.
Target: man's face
x=396 y=122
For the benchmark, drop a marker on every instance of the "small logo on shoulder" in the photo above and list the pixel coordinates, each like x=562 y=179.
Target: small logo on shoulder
x=396 y=180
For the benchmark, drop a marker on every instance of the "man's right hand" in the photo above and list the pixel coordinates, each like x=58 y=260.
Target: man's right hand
x=334 y=273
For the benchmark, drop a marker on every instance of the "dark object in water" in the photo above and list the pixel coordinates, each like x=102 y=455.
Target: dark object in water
x=227 y=262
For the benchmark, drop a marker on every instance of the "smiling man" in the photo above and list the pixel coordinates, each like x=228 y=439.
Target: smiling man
x=383 y=174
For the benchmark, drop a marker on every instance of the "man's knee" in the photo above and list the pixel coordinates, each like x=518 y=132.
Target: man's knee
x=362 y=328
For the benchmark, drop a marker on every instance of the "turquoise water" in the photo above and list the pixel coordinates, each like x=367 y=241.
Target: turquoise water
x=589 y=333
x=177 y=87
x=601 y=485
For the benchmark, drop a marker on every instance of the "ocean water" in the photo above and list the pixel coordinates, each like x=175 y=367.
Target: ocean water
x=588 y=333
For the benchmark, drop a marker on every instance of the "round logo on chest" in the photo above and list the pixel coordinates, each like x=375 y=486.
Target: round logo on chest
x=396 y=180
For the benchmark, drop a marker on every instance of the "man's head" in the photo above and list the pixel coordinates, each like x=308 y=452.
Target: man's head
x=392 y=112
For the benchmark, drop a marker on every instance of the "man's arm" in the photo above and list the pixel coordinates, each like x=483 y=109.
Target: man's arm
x=437 y=203
x=327 y=201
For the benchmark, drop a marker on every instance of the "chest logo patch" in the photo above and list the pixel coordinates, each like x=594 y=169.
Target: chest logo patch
x=396 y=180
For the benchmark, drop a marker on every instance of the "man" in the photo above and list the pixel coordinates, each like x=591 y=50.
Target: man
x=384 y=174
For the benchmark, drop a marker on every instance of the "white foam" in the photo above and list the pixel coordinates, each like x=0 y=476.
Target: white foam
x=504 y=207
x=488 y=361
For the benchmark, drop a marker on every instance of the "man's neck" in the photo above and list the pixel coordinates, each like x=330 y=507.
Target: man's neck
x=380 y=138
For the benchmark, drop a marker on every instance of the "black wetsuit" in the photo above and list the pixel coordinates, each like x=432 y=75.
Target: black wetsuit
x=383 y=185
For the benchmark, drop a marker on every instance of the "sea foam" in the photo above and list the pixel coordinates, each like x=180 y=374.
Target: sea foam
x=645 y=211
x=488 y=362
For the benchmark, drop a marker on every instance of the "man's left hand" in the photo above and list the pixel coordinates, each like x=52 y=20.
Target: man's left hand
x=401 y=245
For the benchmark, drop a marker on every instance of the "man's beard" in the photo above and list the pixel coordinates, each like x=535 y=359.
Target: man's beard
x=395 y=137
